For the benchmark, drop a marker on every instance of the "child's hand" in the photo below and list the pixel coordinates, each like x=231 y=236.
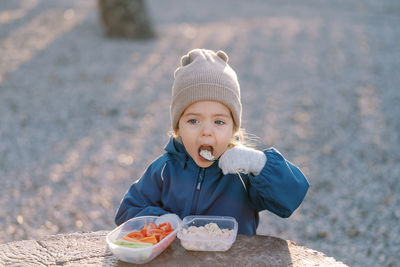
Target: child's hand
x=242 y=159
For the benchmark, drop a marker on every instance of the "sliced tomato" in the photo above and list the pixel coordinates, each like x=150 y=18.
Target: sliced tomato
x=151 y=226
x=150 y=239
x=156 y=232
x=166 y=227
x=143 y=231
x=151 y=232
x=137 y=235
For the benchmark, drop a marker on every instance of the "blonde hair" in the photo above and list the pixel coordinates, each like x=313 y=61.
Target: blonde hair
x=243 y=138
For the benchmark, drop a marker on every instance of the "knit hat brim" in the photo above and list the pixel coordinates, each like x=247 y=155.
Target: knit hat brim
x=203 y=92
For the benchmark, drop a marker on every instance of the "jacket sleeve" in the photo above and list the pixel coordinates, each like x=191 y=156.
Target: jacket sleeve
x=143 y=197
x=280 y=187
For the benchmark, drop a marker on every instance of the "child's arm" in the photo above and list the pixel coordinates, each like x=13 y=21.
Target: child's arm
x=143 y=197
x=275 y=184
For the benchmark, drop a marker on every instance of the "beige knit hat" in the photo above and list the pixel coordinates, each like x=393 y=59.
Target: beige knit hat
x=205 y=75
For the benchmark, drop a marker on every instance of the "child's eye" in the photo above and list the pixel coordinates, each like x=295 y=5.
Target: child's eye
x=219 y=122
x=193 y=121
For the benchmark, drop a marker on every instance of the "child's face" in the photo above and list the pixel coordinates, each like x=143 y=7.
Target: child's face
x=206 y=125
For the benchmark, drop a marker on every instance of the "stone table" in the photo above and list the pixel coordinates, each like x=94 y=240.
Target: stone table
x=90 y=249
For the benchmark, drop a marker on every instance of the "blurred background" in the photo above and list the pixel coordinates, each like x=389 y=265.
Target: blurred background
x=83 y=114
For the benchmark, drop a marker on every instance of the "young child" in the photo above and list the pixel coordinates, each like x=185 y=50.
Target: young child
x=240 y=182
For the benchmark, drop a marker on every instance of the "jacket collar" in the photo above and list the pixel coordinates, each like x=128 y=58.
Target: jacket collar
x=178 y=150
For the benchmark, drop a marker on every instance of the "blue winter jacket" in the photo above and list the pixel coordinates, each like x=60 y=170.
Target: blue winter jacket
x=173 y=183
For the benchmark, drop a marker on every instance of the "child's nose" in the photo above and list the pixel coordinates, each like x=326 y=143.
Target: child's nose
x=207 y=129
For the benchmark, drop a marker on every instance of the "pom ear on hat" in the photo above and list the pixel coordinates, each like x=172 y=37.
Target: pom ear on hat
x=223 y=55
x=185 y=60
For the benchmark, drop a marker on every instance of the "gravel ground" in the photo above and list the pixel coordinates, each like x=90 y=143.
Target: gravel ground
x=81 y=115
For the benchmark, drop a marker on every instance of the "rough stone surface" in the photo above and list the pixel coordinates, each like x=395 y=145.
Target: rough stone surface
x=81 y=116
x=90 y=249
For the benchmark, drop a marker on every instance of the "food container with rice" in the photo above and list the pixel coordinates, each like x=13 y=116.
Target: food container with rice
x=208 y=233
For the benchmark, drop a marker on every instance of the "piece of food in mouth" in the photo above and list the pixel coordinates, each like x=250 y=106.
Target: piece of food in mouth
x=206 y=154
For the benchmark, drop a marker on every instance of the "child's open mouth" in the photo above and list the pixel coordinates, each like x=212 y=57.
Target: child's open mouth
x=205 y=152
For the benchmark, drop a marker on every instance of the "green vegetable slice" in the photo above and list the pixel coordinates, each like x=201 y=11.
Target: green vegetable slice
x=132 y=244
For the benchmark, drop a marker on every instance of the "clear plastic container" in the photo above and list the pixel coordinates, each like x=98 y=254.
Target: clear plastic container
x=140 y=255
x=214 y=241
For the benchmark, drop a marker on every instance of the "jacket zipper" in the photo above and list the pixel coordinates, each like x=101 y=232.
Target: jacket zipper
x=200 y=179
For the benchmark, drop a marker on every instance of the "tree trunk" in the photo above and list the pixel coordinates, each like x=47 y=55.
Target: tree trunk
x=126 y=19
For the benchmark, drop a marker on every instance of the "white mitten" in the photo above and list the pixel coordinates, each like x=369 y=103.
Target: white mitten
x=242 y=159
